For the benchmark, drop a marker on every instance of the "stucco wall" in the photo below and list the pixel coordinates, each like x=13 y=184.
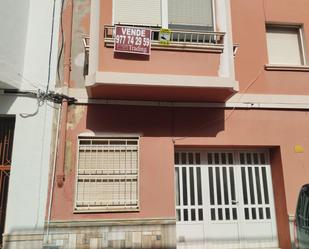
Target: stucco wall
x=28 y=184
x=159 y=62
x=30 y=164
x=249 y=19
x=13 y=27
x=36 y=63
x=163 y=128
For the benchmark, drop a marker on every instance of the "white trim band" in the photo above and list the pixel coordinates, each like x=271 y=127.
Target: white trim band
x=239 y=100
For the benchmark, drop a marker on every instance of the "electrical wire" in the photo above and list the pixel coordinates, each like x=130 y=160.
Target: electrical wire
x=44 y=128
x=240 y=95
x=52 y=179
x=37 y=86
x=49 y=58
x=51 y=47
x=211 y=122
x=52 y=106
x=264 y=10
x=41 y=97
x=62 y=42
x=28 y=115
x=48 y=95
x=19 y=74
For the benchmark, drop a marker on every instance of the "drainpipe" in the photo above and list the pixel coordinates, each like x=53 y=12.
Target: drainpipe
x=52 y=182
x=67 y=24
x=60 y=176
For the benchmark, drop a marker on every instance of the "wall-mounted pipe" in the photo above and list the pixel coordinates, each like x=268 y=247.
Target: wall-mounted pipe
x=51 y=193
x=60 y=176
x=67 y=22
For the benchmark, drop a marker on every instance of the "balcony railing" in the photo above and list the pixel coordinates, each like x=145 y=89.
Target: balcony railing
x=6 y=140
x=185 y=40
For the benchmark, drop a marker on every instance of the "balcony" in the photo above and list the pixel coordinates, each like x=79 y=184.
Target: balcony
x=185 y=70
x=182 y=40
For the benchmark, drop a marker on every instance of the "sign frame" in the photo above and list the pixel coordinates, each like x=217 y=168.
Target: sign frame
x=166 y=34
x=144 y=36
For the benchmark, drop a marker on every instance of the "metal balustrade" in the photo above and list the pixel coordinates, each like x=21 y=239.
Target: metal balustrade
x=188 y=40
x=7 y=125
x=6 y=140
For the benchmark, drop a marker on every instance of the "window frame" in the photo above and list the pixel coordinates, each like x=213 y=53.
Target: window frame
x=102 y=209
x=303 y=52
x=164 y=16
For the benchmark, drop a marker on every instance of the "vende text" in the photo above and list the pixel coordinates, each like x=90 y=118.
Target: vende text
x=132 y=40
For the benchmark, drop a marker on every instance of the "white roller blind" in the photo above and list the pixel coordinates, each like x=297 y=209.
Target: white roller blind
x=107 y=174
x=284 y=46
x=110 y=193
x=191 y=13
x=137 y=12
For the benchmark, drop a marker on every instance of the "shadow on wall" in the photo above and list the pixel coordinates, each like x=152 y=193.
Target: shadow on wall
x=6 y=102
x=283 y=226
x=155 y=121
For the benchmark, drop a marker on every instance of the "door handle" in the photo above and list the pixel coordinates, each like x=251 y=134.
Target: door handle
x=234 y=202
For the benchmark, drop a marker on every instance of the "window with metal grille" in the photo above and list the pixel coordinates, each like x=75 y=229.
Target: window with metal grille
x=107 y=174
x=7 y=125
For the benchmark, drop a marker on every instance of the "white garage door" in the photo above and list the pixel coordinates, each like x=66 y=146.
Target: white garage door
x=224 y=200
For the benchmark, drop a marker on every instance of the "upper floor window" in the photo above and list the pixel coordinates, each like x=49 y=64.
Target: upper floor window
x=193 y=14
x=180 y=14
x=137 y=12
x=285 y=45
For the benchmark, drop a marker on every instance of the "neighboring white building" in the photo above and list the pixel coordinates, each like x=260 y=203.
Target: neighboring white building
x=28 y=62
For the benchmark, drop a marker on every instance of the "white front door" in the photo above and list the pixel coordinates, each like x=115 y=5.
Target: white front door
x=224 y=200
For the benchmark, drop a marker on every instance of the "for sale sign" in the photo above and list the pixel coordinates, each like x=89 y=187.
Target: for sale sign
x=132 y=40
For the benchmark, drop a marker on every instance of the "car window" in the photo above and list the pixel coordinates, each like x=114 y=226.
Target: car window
x=303 y=207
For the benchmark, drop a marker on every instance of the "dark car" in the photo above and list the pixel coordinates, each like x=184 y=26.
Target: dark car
x=301 y=227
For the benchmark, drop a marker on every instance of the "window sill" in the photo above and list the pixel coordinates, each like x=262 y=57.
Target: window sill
x=300 y=68
x=94 y=210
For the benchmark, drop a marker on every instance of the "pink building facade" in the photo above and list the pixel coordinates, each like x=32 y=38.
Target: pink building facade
x=201 y=144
